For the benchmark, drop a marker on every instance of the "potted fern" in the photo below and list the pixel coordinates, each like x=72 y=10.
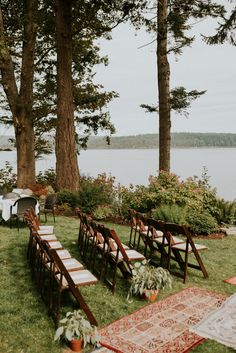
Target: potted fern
x=77 y=331
x=147 y=280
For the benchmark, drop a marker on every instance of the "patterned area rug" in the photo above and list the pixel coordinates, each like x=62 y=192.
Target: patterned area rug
x=221 y=324
x=162 y=327
x=231 y=280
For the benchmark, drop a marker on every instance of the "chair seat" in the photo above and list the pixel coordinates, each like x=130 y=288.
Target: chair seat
x=49 y=237
x=157 y=233
x=175 y=240
x=55 y=245
x=114 y=245
x=72 y=264
x=63 y=254
x=81 y=277
x=182 y=247
x=132 y=255
x=139 y=229
x=45 y=230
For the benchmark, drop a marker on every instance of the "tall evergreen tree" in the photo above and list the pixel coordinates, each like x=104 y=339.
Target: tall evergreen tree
x=170 y=21
x=17 y=81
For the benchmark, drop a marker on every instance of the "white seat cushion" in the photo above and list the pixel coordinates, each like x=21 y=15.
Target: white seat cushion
x=72 y=264
x=182 y=247
x=55 y=245
x=132 y=255
x=49 y=229
x=81 y=277
x=63 y=254
x=45 y=231
x=49 y=237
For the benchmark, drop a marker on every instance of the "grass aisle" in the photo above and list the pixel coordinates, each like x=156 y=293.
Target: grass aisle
x=24 y=324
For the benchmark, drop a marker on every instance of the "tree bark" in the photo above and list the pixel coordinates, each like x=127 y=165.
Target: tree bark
x=163 y=87
x=67 y=172
x=20 y=103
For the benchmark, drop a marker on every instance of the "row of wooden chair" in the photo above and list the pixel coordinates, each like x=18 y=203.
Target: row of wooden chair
x=54 y=269
x=172 y=241
x=103 y=250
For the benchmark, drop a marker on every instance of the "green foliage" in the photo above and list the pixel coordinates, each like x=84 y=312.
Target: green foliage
x=75 y=326
x=102 y=212
x=47 y=177
x=68 y=197
x=178 y=139
x=96 y=192
x=8 y=179
x=225 y=211
x=168 y=189
x=171 y=213
x=201 y=222
x=180 y=99
x=147 y=277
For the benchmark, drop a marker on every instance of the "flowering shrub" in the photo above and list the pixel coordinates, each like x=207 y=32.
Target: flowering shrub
x=39 y=190
x=95 y=192
x=48 y=177
x=8 y=179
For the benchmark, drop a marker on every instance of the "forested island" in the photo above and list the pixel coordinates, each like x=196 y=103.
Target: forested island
x=178 y=140
x=181 y=140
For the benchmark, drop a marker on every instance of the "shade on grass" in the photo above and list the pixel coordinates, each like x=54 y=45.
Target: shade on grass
x=24 y=324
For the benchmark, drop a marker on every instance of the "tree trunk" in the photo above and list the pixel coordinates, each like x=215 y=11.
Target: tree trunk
x=67 y=172
x=163 y=87
x=21 y=103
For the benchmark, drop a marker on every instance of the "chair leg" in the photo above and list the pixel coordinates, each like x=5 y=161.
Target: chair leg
x=185 y=266
x=58 y=307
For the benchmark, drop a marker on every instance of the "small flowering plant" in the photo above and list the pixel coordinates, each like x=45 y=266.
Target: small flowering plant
x=148 y=278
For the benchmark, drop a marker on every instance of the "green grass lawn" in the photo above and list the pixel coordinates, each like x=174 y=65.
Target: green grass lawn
x=24 y=324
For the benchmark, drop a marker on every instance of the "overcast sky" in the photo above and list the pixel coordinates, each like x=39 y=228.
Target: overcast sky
x=132 y=73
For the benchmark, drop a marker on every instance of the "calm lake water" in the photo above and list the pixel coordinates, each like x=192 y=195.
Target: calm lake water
x=135 y=166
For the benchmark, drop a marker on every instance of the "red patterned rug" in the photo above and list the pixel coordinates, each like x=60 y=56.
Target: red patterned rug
x=162 y=327
x=231 y=280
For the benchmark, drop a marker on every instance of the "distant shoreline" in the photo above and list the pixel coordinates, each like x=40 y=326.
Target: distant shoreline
x=150 y=141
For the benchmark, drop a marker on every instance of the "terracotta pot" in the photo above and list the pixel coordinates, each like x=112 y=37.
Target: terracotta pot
x=152 y=297
x=76 y=345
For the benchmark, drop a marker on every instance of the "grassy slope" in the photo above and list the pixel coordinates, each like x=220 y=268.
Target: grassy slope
x=24 y=324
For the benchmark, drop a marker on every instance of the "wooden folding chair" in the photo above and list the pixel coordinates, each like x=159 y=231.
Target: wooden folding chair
x=182 y=250
x=83 y=232
x=154 y=240
x=118 y=258
x=65 y=280
x=133 y=227
x=47 y=265
x=138 y=226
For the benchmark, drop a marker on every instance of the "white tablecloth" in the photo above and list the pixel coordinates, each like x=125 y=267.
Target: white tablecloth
x=5 y=206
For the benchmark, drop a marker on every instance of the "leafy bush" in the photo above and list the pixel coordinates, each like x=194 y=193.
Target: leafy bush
x=65 y=209
x=8 y=179
x=225 y=211
x=136 y=197
x=171 y=213
x=201 y=222
x=102 y=212
x=96 y=192
x=48 y=177
x=168 y=189
x=68 y=197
